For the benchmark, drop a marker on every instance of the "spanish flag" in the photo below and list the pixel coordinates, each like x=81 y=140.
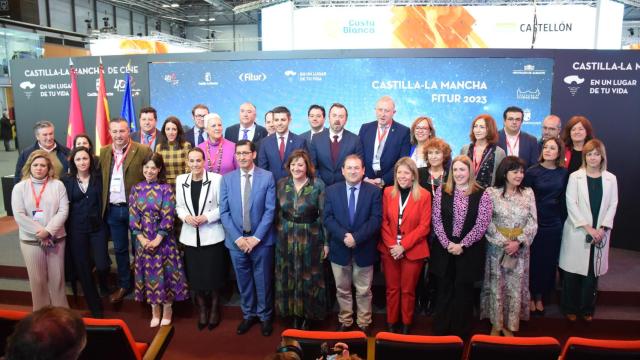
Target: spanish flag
x=76 y=122
x=102 y=114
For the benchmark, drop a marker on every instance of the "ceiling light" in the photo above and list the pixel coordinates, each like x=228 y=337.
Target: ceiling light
x=202 y=19
x=212 y=19
x=166 y=5
x=175 y=5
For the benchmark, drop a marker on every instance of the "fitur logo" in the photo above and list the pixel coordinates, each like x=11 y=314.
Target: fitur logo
x=573 y=81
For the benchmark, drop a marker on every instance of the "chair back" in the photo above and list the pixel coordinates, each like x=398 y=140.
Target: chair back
x=310 y=341
x=577 y=348
x=486 y=347
x=391 y=346
x=110 y=339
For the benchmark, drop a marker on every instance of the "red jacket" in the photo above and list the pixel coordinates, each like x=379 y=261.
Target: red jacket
x=416 y=224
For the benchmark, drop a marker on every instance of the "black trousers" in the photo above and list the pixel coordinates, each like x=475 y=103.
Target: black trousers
x=453 y=314
x=85 y=247
x=579 y=291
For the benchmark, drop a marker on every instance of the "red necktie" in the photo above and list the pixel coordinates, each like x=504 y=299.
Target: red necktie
x=335 y=149
x=281 y=148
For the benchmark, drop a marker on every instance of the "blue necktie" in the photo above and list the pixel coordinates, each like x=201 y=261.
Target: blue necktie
x=244 y=136
x=200 y=137
x=352 y=204
x=147 y=139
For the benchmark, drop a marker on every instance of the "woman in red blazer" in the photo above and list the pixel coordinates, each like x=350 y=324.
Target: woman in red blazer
x=406 y=221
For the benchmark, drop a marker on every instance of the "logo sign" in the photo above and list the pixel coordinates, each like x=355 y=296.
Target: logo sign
x=27 y=86
x=207 y=80
x=171 y=78
x=573 y=81
x=528 y=69
x=249 y=76
x=531 y=94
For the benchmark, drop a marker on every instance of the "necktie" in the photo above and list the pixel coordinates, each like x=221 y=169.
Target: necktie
x=147 y=139
x=281 y=148
x=352 y=204
x=335 y=149
x=246 y=218
x=245 y=136
x=200 y=137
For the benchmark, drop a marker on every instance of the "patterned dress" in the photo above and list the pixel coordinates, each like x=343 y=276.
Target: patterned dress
x=159 y=273
x=300 y=287
x=175 y=160
x=505 y=292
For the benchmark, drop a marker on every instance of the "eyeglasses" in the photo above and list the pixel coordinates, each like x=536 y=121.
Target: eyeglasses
x=199 y=116
x=423 y=128
x=243 y=153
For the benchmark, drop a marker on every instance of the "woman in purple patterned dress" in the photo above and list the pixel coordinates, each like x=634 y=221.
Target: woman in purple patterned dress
x=159 y=272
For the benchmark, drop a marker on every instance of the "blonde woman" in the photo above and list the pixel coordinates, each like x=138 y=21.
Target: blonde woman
x=40 y=207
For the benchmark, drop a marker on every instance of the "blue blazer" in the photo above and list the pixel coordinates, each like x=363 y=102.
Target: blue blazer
x=366 y=225
x=136 y=137
x=232 y=132
x=528 y=147
x=263 y=205
x=396 y=146
x=307 y=134
x=189 y=136
x=269 y=155
x=320 y=150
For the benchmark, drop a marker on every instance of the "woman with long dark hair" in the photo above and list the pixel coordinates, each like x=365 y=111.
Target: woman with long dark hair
x=173 y=147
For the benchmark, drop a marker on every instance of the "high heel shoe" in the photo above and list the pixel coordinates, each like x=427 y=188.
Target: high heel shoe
x=214 y=313
x=494 y=331
x=507 y=333
x=167 y=313
x=155 y=315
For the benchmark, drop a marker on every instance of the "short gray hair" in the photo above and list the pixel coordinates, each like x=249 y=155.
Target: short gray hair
x=42 y=124
x=209 y=118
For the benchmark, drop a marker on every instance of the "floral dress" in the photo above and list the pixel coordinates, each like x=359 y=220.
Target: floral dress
x=505 y=292
x=159 y=273
x=300 y=287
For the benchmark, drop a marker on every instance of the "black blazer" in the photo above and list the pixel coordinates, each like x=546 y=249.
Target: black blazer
x=190 y=137
x=232 y=132
x=84 y=208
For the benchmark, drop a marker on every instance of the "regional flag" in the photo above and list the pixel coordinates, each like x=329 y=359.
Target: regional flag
x=102 y=114
x=128 y=110
x=76 y=122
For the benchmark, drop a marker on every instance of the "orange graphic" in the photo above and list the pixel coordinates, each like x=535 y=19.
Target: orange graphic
x=434 y=27
x=140 y=46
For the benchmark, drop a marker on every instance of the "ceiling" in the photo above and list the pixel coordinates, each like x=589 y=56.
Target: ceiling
x=221 y=12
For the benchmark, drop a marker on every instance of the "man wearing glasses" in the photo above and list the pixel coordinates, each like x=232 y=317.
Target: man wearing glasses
x=247 y=207
x=514 y=141
x=197 y=135
x=551 y=127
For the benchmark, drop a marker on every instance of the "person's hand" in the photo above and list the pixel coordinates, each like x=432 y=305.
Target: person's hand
x=349 y=241
x=595 y=234
x=42 y=234
x=191 y=220
x=251 y=243
x=512 y=247
x=153 y=244
x=397 y=252
x=242 y=244
x=325 y=252
x=602 y=234
x=201 y=220
x=454 y=249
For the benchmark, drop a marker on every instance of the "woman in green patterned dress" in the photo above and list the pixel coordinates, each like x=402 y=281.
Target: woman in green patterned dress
x=301 y=245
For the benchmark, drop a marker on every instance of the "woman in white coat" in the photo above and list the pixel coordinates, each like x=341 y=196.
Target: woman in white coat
x=197 y=198
x=592 y=199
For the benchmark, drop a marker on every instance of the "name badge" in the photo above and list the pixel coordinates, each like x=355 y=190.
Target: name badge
x=38 y=216
x=116 y=183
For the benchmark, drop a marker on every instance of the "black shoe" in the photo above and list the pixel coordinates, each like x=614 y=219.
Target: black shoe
x=245 y=325
x=366 y=330
x=267 y=328
x=343 y=328
x=406 y=329
x=391 y=327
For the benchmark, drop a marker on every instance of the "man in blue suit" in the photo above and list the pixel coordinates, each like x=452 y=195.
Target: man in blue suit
x=330 y=148
x=247 y=129
x=148 y=133
x=197 y=134
x=384 y=141
x=515 y=142
x=247 y=206
x=352 y=217
x=316 y=117
x=275 y=148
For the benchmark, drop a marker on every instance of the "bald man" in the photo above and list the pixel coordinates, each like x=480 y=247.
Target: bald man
x=551 y=126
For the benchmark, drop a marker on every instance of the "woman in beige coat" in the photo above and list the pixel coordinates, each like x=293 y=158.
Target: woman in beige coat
x=592 y=199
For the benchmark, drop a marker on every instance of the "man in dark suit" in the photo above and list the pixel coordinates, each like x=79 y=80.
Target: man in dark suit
x=315 y=115
x=121 y=165
x=514 y=141
x=551 y=127
x=330 y=148
x=275 y=148
x=197 y=134
x=45 y=140
x=247 y=129
x=384 y=141
x=352 y=217
x=247 y=207
x=148 y=133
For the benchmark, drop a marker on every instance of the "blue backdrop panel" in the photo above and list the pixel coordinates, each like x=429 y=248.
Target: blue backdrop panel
x=452 y=91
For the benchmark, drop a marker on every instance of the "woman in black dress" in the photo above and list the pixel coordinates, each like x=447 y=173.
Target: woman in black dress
x=548 y=180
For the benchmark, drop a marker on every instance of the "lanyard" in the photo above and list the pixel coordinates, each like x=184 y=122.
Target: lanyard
x=382 y=135
x=476 y=163
x=38 y=197
x=153 y=138
x=515 y=145
x=118 y=164
x=402 y=206
x=433 y=180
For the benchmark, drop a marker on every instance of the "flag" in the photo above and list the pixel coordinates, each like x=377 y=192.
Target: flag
x=76 y=122
x=102 y=114
x=128 y=110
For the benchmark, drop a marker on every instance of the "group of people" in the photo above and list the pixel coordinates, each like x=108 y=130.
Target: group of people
x=285 y=208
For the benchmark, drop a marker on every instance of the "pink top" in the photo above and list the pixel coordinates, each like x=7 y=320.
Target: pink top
x=219 y=161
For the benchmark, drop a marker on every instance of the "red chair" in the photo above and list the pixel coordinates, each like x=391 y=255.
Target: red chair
x=310 y=341
x=486 y=347
x=577 y=348
x=8 y=321
x=390 y=346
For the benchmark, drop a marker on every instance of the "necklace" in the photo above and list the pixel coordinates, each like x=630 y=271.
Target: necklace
x=218 y=157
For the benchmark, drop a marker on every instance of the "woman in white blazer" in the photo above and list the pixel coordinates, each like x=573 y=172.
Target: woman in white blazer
x=592 y=199
x=197 y=198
